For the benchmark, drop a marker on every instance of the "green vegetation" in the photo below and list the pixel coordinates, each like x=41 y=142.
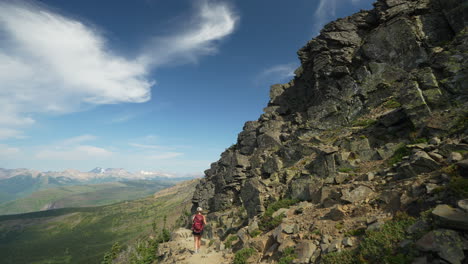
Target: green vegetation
x=243 y=255
x=459 y=125
x=288 y=256
x=229 y=240
x=255 y=233
x=346 y=169
x=400 y=152
x=268 y=222
x=356 y=232
x=53 y=235
x=378 y=246
x=458 y=186
x=112 y=254
x=364 y=122
x=83 y=195
x=391 y=104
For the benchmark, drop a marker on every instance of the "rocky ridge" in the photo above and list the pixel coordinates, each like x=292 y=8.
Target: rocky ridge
x=369 y=136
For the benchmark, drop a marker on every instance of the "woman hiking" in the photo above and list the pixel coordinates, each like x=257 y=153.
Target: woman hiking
x=198 y=223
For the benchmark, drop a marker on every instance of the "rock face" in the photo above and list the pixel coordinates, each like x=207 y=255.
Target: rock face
x=373 y=123
x=387 y=73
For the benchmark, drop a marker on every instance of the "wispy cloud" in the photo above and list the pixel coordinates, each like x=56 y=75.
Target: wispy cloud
x=327 y=11
x=166 y=155
x=50 y=63
x=6 y=133
x=7 y=151
x=81 y=152
x=78 y=140
x=276 y=73
x=213 y=22
x=146 y=146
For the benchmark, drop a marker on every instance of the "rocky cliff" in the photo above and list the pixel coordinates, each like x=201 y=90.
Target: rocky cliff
x=374 y=122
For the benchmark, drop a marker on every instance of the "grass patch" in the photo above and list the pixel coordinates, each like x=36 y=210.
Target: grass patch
x=392 y=104
x=378 y=246
x=288 y=256
x=268 y=222
x=243 y=255
x=400 y=152
x=420 y=140
x=255 y=233
x=458 y=186
x=356 y=232
x=364 y=122
x=339 y=225
x=229 y=240
x=346 y=169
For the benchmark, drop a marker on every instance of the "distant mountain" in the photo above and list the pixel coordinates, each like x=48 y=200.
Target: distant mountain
x=83 y=195
x=20 y=183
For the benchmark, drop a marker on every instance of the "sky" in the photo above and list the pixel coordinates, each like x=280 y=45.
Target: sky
x=144 y=84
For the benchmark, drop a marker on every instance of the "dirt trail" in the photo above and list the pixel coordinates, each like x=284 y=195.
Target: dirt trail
x=181 y=250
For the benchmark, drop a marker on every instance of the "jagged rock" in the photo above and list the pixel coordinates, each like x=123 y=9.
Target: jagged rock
x=348 y=241
x=463 y=204
x=463 y=168
x=280 y=211
x=305 y=249
x=251 y=197
x=454 y=157
x=446 y=243
x=335 y=214
x=418 y=227
x=306 y=188
x=181 y=234
x=359 y=194
x=341 y=177
x=451 y=217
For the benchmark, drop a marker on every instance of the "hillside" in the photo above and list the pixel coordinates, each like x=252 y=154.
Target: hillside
x=83 y=195
x=362 y=157
x=83 y=235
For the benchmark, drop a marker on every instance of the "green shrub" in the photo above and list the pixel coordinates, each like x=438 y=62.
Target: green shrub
x=288 y=256
x=342 y=257
x=364 y=122
x=255 y=233
x=400 y=152
x=458 y=186
x=283 y=203
x=356 y=232
x=392 y=104
x=229 y=240
x=112 y=254
x=346 y=169
x=378 y=246
x=242 y=255
x=268 y=222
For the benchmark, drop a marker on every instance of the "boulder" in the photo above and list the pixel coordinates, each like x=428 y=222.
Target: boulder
x=181 y=234
x=450 y=217
x=446 y=243
x=361 y=193
x=304 y=250
x=463 y=204
x=463 y=168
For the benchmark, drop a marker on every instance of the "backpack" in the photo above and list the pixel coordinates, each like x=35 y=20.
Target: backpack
x=198 y=224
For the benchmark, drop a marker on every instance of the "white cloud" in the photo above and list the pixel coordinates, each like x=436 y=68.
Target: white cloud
x=213 y=22
x=50 y=63
x=7 y=151
x=277 y=73
x=6 y=133
x=146 y=146
x=166 y=155
x=80 y=152
x=326 y=11
x=78 y=139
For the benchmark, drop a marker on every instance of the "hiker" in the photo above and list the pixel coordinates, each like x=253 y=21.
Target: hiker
x=199 y=222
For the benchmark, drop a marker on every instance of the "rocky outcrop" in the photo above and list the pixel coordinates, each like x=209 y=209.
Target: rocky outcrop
x=391 y=70
x=374 y=122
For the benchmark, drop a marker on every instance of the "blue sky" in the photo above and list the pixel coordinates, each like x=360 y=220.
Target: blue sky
x=145 y=84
